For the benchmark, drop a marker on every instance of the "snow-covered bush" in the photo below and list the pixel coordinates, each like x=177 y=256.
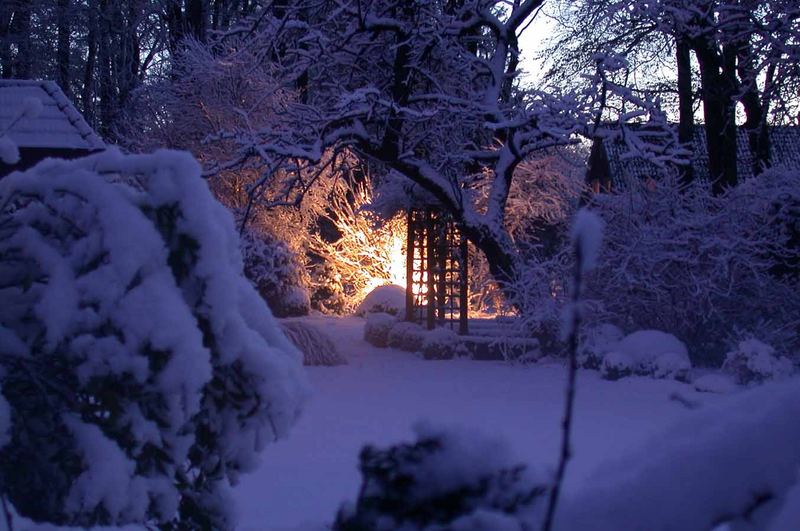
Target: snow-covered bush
x=316 y=346
x=389 y=299
x=702 y=266
x=377 y=328
x=277 y=273
x=699 y=266
x=442 y=344
x=754 y=362
x=406 y=336
x=616 y=365
x=142 y=370
x=649 y=353
x=446 y=479
x=595 y=342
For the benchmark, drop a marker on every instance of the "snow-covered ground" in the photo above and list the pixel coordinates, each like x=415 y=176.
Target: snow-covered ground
x=381 y=393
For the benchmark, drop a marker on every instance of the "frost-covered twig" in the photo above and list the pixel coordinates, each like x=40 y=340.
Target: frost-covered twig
x=587 y=234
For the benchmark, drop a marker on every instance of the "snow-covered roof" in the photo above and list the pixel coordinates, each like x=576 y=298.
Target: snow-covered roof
x=784 y=151
x=58 y=125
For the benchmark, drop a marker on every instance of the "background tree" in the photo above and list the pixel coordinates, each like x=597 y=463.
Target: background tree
x=429 y=91
x=735 y=50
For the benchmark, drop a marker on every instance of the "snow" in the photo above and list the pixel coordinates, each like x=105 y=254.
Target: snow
x=109 y=481
x=43 y=117
x=710 y=465
x=650 y=352
x=31 y=107
x=789 y=513
x=384 y=299
x=754 y=361
x=638 y=455
x=587 y=235
x=382 y=393
x=715 y=383
x=9 y=153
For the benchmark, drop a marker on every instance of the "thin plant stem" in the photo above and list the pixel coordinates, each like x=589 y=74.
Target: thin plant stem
x=566 y=423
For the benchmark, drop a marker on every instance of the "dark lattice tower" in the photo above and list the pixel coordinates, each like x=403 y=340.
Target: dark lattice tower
x=436 y=271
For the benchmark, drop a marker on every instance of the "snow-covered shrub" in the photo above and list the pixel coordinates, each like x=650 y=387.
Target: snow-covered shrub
x=277 y=273
x=649 y=353
x=389 y=299
x=696 y=265
x=446 y=479
x=407 y=336
x=316 y=346
x=442 y=344
x=145 y=373
x=377 y=328
x=595 y=342
x=754 y=362
x=616 y=365
x=701 y=266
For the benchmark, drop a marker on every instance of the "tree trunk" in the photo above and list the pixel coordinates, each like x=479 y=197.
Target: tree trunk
x=21 y=30
x=719 y=112
x=87 y=94
x=685 y=103
x=62 y=51
x=5 y=38
x=196 y=19
x=756 y=123
x=499 y=255
x=105 y=74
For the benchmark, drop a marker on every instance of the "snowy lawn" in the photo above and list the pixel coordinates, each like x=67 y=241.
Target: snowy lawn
x=382 y=392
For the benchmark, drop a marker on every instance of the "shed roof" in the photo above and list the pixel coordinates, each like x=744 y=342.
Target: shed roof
x=59 y=125
x=784 y=151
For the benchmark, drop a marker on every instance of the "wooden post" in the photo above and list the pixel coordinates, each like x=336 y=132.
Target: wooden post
x=441 y=270
x=429 y=265
x=463 y=279
x=410 y=255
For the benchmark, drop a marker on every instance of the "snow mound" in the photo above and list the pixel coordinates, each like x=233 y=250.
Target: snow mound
x=126 y=293
x=715 y=383
x=389 y=299
x=755 y=362
x=708 y=469
x=647 y=352
x=316 y=346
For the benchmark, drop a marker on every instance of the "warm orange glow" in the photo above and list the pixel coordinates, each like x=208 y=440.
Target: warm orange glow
x=397 y=262
x=389 y=253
